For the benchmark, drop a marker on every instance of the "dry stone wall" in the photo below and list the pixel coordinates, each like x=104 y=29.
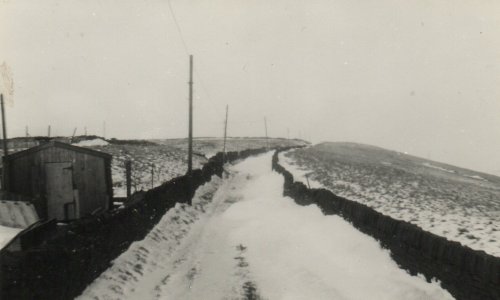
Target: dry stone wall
x=467 y=274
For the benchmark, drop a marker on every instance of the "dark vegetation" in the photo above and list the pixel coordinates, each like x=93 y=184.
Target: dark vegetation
x=131 y=142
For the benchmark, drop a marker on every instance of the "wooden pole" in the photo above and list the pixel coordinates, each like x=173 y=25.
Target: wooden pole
x=128 y=176
x=4 y=128
x=190 y=139
x=48 y=132
x=5 y=169
x=225 y=135
x=73 y=136
x=267 y=139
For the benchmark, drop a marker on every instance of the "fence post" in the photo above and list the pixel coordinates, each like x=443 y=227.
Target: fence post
x=128 y=175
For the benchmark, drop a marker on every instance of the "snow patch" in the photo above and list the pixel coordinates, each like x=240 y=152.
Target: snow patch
x=429 y=165
x=91 y=143
x=477 y=177
x=7 y=233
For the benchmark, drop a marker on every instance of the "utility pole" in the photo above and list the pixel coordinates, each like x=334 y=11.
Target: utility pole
x=267 y=139
x=190 y=138
x=225 y=135
x=4 y=128
x=73 y=136
x=85 y=129
x=27 y=132
x=5 y=169
x=104 y=129
x=48 y=132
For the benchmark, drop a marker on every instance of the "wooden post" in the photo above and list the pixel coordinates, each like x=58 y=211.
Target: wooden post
x=190 y=141
x=225 y=136
x=128 y=176
x=152 y=176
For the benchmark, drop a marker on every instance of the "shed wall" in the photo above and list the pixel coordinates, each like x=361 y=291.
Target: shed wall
x=27 y=177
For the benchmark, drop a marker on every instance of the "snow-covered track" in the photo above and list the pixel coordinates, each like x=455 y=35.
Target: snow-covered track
x=244 y=240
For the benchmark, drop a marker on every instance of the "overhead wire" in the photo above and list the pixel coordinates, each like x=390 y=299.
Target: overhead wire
x=186 y=48
x=178 y=27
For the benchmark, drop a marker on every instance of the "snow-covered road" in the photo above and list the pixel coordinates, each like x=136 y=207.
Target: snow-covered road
x=243 y=240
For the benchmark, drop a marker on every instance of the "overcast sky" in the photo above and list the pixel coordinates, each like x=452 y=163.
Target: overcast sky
x=415 y=76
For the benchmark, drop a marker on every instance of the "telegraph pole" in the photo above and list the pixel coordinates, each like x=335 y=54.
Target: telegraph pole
x=5 y=169
x=267 y=139
x=190 y=139
x=73 y=136
x=4 y=128
x=225 y=135
x=48 y=132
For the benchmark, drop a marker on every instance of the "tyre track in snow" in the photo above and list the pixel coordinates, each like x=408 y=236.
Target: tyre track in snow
x=208 y=265
x=182 y=248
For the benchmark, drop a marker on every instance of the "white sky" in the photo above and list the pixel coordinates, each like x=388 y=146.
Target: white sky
x=416 y=76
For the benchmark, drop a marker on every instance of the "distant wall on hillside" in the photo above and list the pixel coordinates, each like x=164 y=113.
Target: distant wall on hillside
x=62 y=266
x=467 y=274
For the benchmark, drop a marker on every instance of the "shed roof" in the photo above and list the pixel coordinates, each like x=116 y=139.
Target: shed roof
x=58 y=145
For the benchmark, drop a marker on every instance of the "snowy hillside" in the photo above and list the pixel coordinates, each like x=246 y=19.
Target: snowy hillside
x=157 y=161
x=210 y=146
x=152 y=165
x=243 y=240
x=456 y=203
